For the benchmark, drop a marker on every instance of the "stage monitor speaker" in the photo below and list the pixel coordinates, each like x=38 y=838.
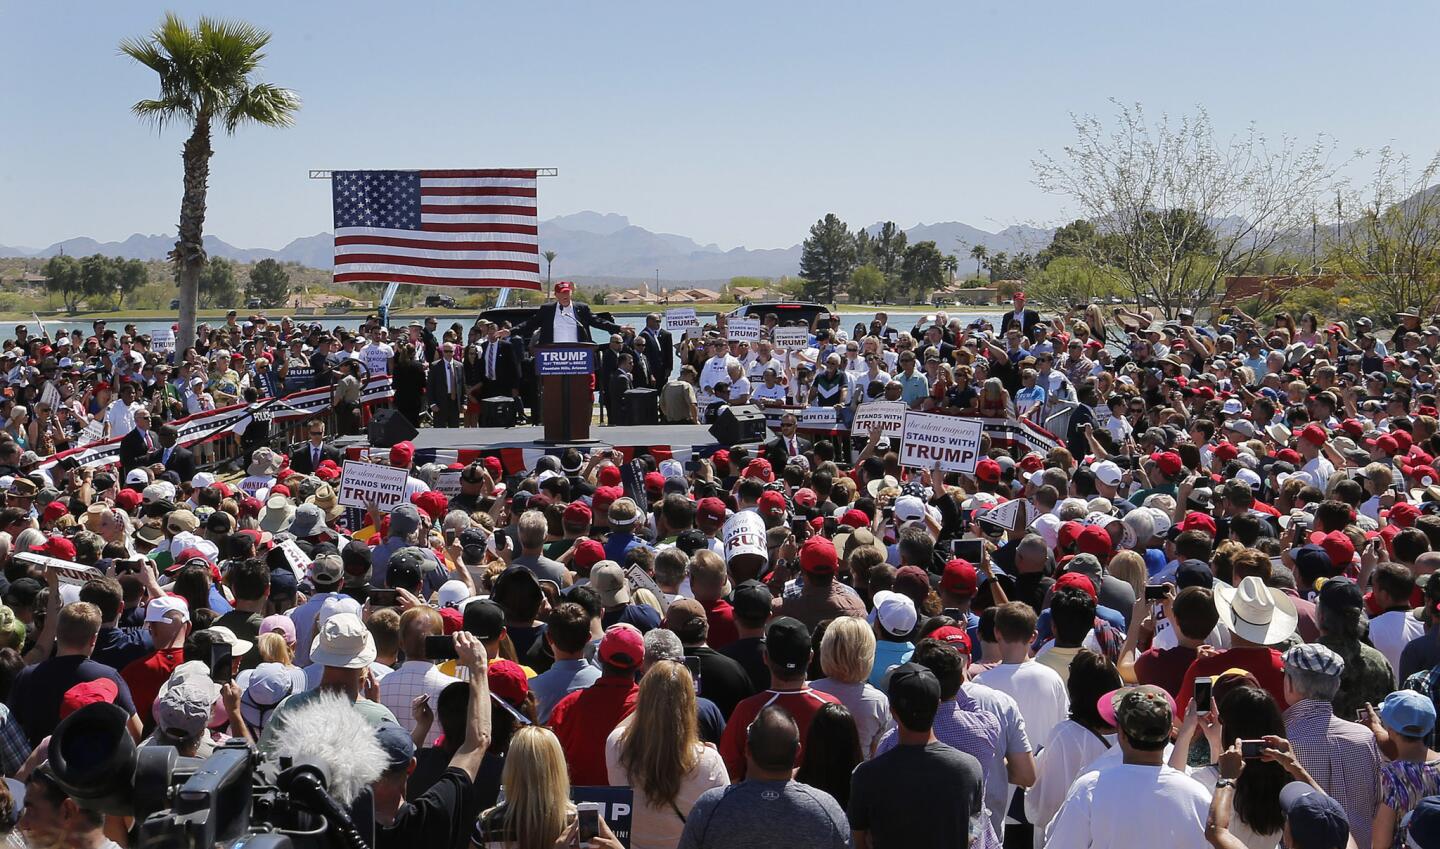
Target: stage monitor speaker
x=737 y=425
x=389 y=427
x=498 y=411
x=640 y=407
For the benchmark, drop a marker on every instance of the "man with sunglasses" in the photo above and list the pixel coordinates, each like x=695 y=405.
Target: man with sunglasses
x=307 y=458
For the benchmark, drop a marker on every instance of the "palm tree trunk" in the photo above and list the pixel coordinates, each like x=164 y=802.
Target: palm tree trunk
x=189 y=253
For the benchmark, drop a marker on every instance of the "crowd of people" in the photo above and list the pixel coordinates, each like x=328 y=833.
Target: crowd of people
x=1205 y=617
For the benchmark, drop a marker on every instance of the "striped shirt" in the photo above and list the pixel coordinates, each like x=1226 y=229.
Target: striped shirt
x=1341 y=756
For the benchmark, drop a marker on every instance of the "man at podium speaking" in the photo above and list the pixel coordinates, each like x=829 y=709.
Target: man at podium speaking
x=563 y=321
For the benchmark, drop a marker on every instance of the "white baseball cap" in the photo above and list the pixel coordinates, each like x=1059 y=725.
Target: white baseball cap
x=157 y=609
x=908 y=508
x=895 y=612
x=451 y=593
x=221 y=634
x=1107 y=473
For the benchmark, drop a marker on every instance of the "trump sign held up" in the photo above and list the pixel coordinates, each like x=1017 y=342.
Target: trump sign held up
x=927 y=439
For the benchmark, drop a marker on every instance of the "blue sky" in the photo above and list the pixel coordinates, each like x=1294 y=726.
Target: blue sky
x=737 y=123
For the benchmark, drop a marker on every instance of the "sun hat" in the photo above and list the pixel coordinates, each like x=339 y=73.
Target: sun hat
x=1255 y=612
x=265 y=688
x=263 y=463
x=343 y=642
x=278 y=514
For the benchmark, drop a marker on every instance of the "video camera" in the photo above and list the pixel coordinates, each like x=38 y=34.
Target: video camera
x=232 y=798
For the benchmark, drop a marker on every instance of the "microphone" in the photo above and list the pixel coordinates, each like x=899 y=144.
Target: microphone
x=328 y=735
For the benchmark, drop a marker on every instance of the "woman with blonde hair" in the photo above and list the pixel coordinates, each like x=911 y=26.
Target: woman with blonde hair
x=995 y=399
x=847 y=655
x=1129 y=567
x=657 y=751
x=537 y=805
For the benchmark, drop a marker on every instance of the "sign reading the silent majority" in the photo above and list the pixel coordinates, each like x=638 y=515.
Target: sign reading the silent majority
x=927 y=439
x=790 y=338
x=564 y=359
x=363 y=483
x=744 y=329
x=682 y=319
x=448 y=482
x=889 y=416
x=163 y=339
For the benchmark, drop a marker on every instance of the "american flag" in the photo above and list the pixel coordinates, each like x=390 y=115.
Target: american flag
x=437 y=228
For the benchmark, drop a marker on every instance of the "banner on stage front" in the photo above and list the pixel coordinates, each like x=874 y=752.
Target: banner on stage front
x=889 y=416
x=744 y=329
x=790 y=338
x=927 y=439
x=682 y=319
x=364 y=483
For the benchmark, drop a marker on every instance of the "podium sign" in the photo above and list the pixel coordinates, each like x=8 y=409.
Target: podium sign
x=562 y=359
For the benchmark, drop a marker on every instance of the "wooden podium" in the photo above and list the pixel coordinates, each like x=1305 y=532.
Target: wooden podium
x=565 y=370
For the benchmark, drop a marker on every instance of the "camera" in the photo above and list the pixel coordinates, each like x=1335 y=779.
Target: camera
x=231 y=798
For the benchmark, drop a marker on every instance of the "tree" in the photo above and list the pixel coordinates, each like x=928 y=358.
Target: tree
x=1392 y=250
x=1073 y=281
x=951 y=264
x=63 y=274
x=269 y=282
x=889 y=253
x=549 y=260
x=99 y=278
x=864 y=248
x=923 y=269
x=1078 y=238
x=1249 y=194
x=218 y=286
x=131 y=275
x=205 y=80
x=979 y=253
x=867 y=283
x=827 y=257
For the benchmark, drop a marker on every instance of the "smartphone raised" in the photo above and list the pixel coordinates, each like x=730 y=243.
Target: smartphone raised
x=440 y=647
x=693 y=664
x=587 y=823
x=222 y=663
x=379 y=597
x=1156 y=592
x=828 y=527
x=1202 y=694
x=1252 y=750
x=968 y=549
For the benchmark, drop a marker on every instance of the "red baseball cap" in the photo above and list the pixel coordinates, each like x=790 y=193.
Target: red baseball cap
x=987 y=471
x=1075 y=580
x=493 y=466
x=588 y=552
x=953 y=636
x=88 y=693
x=55 y=509
x=605 y=496
x=1168 y=462
x=507 y=680
x=759 y=468
x=1353 y=428
x=1068 y=533
x=772 y=503
x=1226 y=451
x=622 y=646
x=855 y=518
x=1031 y=462
x=960 y=578
x=1403 y=514
x=711 y=509
x=1289 y=455
x=805 y=497
x=1313 y=434
x=654 y=482
x=432 y=503
x=577 y=514
x=1386 y=443
x=127 y=500
x=402 y=454
x=564 y=286
x=1197 y=522
x=57 y=547
x=818 y=557
x=721 y=456
x=609 y=476
x=1337 y=545
x=1095 y=540
x=1403 y=439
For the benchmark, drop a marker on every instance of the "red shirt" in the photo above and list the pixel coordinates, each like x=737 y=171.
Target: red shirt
x=721 y=617
x=583 y=719
x=1261 y=661
x=145 y=677
x=1165 y=668
x=802 y=705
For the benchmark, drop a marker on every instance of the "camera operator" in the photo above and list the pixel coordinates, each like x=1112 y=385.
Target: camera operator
x=52 y=818
x=439 y=817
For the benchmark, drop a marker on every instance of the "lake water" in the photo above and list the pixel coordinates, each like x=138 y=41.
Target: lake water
x=898 y=319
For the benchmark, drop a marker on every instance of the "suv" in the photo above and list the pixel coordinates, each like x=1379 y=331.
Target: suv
x=787 y=311
x=443 y=301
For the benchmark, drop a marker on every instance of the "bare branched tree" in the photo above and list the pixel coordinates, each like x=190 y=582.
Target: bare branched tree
x=1389 y=245
x=1179 y=210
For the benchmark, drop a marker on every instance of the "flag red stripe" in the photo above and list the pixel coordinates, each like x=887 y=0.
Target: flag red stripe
x=462 y=191
x=428 y=262
x=448 y=227
x=523 y=173
x=423 y=244
x=470 y=282
x=476 y=209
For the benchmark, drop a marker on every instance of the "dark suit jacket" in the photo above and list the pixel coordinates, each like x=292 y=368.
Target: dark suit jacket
x=660 y=356
x=133 y=449
x=507 y=368
x=777 y=455
x=438 y=394
x=181 y=462
x=300 y=457
x=543 y=321
x=1030 y=319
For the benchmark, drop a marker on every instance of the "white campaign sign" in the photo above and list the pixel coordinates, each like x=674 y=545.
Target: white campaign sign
x=790 y=338
x=682 y=318
x=362 y=483
x=888 y=415
x=448 y=482
x=75 y=574
x=296 y=558
x=1012 y=515
x=163 y=339
x=818 y=418
x=744 y=329
x=951 y=441
x=744 y=533
x=93 y=432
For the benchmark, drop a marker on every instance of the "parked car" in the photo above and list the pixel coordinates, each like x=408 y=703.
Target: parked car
x=253 y=304
x=174 y=303
x=439 y=301
x=786 y=310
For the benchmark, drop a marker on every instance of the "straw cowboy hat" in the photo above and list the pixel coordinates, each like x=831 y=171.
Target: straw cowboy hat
x=326 y=499
x=1257 y=613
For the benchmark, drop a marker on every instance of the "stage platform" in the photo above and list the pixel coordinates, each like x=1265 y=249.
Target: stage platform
x=518 y=449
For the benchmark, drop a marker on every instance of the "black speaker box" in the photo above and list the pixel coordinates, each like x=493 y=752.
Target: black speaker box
x=640 y=407
x=389 y=427
x=497 y=412
x=737 y=425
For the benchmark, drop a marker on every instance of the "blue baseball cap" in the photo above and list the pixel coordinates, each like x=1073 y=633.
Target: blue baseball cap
x=1408 y=713
x=396 y=743
x=1316 y=821
x=1422 y=824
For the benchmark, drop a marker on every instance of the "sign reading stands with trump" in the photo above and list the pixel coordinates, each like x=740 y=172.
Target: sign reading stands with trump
x=364 y=483
x=953 y=443
x=744 y=329
x=889 y=416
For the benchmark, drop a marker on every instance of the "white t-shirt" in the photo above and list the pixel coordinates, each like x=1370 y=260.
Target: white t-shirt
x=739 y=389
x=1318 y=472
x=1037 y=689
x=1066 y=756
x=376 y=357
x=1390 y=631
x=770 y=393
x=121 y=417
x=716 y=370
x=1110 y=808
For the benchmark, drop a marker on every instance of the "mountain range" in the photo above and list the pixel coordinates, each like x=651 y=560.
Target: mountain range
x=590 y=247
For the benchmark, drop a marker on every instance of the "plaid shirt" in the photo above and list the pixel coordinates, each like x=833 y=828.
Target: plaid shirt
x=14 y=745
x=1341 y=756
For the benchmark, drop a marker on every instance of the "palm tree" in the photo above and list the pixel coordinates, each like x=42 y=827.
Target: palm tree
x=979 y=253
x=549 y=259
x=205 y=80
x=951 y=264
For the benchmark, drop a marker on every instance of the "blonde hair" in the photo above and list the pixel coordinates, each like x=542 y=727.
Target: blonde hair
x=661 y=745
x=1129 y=567
x=537 y=788
x=847 y=651
x=274 y=649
